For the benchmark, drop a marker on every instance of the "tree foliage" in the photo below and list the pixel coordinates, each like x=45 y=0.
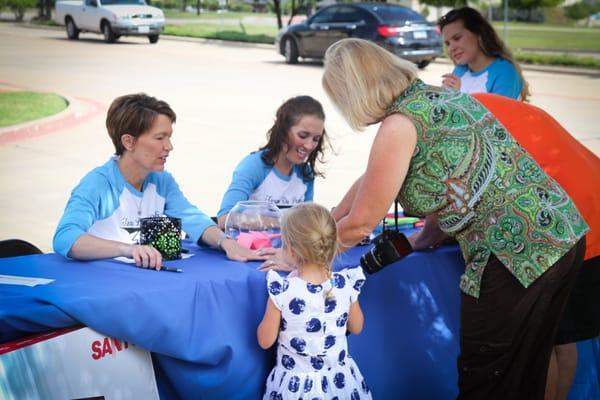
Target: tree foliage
x=582 y=9
x=45 y=9
x=18 y=7
x=277 y=10
x=297 y=7
x=445 y=3
x=533 y=4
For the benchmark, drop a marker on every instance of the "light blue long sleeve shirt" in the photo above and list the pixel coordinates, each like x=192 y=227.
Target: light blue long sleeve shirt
x=253 y=179
x=105 y=205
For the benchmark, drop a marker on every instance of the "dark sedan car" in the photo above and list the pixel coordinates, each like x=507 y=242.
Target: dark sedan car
x=401 y=30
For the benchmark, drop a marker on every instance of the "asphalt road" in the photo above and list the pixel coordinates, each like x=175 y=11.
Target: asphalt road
x=225 y=96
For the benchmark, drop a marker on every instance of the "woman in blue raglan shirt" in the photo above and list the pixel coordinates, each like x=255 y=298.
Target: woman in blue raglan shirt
x=283 y=171
x=483 y=63
x=101 y=219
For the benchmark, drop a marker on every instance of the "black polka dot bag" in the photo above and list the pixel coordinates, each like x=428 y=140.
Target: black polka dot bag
x=164 y=234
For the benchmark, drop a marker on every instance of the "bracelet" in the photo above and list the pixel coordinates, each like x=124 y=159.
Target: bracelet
x=221 y=240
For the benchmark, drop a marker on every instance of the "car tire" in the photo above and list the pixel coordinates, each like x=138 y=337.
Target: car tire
x=423 y=64
x=290 y=50
x=109 y=35
x=72 y=31
x=153 y=38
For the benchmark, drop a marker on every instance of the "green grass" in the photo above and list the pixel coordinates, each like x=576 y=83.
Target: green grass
x=44 y=22
x=552 y=39
x=19 y=107
x=253 y=34
x=169 y=13
x=564 y=60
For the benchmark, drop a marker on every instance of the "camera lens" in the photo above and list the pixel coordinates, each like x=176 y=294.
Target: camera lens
x=388 y=247
x=369 y=262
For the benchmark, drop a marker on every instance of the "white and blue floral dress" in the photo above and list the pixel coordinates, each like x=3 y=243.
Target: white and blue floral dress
x=312 y=351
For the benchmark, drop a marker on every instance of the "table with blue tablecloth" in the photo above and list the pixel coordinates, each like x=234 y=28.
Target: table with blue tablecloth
x=200 y=325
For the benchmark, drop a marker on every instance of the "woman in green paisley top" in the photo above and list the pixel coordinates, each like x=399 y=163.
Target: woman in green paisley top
x=446 y=157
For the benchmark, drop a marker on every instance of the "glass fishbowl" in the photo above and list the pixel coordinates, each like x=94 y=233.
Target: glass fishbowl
x=254 y=224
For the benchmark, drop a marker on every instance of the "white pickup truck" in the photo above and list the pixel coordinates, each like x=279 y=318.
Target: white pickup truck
x=112 y=18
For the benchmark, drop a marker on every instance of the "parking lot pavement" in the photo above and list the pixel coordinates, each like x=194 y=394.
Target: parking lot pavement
x=225 y=96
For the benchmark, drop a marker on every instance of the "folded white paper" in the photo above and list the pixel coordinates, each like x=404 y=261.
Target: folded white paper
x=23 y=280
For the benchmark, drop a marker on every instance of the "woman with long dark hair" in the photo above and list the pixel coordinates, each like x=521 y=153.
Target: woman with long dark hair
x=283 y=171
x=483 y=63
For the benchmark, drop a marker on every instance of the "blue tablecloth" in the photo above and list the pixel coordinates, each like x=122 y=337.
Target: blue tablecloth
x=201 y=324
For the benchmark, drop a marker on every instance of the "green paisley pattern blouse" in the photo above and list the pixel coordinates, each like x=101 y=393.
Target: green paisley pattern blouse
x=486 y=189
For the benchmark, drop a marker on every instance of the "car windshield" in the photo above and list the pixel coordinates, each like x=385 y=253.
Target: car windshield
x=123 y=2
x=390 y=14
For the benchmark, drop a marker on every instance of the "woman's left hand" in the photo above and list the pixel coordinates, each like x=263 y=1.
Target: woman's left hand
x=430 y=237
x=275 y=260
x=451 y=81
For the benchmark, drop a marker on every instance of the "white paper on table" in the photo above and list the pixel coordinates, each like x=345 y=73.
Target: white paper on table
x=23 y=280
x=131 y=260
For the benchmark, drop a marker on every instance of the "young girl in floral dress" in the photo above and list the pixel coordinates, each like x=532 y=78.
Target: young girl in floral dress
x=309 y=312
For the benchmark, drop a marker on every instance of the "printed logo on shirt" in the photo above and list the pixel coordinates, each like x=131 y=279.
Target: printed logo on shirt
x=284 y=201
x=279 y=191
x=123 y=225
x=470 y=83
x=132 y=226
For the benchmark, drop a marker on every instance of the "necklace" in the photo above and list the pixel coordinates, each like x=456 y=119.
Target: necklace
x=139 y=205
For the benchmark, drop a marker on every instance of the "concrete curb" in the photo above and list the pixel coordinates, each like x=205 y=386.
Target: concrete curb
x=35 y=26
x=593 y=73
x=78 y=111
x=216 y=41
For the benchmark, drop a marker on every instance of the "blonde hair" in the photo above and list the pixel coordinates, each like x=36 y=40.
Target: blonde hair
x=362 y=79
x=310 y=230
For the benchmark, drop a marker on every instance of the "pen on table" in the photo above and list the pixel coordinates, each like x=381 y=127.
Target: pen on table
x=165 y=268
x=170 y=269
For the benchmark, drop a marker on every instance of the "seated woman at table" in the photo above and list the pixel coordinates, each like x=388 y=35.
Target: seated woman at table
x=446 y=157
x=309 y=313
x=483 y=63
x=284 y=170
x=102 y=216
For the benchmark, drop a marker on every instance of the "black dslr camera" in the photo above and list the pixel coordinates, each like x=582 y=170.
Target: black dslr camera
x=389 y=246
